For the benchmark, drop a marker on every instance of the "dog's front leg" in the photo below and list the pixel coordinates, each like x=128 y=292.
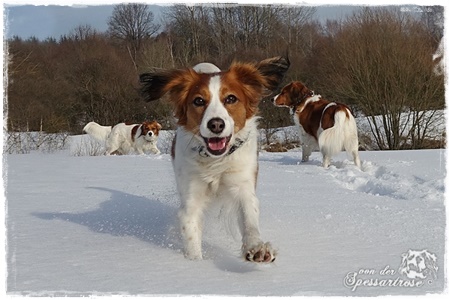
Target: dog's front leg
x=306 y=152
x=190 y=214
x=254 y=249
x=155 y=150
x=191 y=231
x=307 y=145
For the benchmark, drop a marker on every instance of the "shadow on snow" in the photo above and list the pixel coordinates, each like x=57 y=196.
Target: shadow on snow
x=148 y=220
x=127 y=215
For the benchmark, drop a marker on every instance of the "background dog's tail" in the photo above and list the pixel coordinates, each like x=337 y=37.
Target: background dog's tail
x=342 y=136
x=96 y=131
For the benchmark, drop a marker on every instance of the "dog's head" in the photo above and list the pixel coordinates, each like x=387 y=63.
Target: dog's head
x=150 y=130
x=418 y=264
x=214 y=105
x=292 y=95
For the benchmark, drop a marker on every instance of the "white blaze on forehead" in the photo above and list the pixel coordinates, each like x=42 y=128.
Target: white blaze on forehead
x=216 y=109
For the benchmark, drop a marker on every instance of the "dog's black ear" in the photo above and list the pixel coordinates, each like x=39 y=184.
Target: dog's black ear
x=153 y=84
x=274 y=69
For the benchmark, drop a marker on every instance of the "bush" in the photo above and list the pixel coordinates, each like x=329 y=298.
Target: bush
x=24 y=142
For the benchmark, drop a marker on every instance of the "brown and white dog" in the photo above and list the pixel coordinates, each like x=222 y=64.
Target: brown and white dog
x=124 y=138
x=215 y=148
x=324 y=125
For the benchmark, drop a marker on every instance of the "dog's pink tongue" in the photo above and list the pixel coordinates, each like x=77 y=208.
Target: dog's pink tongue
x=217 y=143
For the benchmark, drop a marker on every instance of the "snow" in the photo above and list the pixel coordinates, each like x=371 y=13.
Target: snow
x=106 y=225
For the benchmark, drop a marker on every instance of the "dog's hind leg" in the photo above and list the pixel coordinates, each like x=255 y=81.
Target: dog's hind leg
x=352 y=148
x=356 y=158
x=326 y=160
x=112 y=144
x=351 y=145
x=111 y=150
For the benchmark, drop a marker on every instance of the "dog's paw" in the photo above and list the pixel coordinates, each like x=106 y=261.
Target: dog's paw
x=193 y=256
x=261 y=253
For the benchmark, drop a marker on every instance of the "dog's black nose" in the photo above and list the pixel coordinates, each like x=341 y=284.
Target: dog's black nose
x=216 y=125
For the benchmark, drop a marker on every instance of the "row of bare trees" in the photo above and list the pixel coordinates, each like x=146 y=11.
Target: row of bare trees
x=380 y=65
x=379 y=61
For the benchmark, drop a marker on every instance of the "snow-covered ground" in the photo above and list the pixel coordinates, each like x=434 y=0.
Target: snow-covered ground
x=97 y=225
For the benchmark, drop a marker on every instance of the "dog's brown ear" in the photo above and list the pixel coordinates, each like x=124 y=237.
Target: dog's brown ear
x=295 y=90
x=274 y=69
x=307 y=92
x=176 y=83
x=155 y=84
x=144 y=128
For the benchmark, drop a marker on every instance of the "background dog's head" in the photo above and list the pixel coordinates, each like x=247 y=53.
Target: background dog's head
x=215 y=105
x=292 y=95
x=150 y=130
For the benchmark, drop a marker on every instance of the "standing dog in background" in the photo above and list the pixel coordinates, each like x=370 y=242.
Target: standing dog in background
x=215 y=148
x=125 y=138
x=328 y=126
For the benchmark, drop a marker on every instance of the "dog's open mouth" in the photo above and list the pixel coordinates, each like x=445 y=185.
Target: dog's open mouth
x=217 y=145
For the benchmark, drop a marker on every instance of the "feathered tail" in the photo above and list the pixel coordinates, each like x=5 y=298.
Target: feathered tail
x=98 y=132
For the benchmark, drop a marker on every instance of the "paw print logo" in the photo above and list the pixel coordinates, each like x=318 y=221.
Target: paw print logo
x=418 y=265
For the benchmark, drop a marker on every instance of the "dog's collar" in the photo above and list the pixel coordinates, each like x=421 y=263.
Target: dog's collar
x=299 y=101
x=236 y=145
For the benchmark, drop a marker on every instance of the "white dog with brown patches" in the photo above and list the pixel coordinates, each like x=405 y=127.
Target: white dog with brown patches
x=215 y=148
x=125 y=138
x=328 y=126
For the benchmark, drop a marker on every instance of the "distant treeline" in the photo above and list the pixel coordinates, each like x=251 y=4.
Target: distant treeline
x=378 y=61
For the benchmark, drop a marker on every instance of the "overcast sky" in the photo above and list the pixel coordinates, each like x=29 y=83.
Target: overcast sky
x=43 y=21
x=53 y=21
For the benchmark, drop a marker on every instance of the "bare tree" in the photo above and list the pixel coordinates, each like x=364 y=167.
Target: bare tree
x=295 y=18
x=133 y=24
x=380 y=61
x=82 y=32
x=189 y=25
x=433 y=18
x=377 y=61
x=225 y=28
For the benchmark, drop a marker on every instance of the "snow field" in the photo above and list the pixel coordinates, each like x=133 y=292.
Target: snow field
x=96 y=225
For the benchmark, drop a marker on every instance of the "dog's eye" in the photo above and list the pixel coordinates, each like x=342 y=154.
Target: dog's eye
x=230 y=99
x=199 y=101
